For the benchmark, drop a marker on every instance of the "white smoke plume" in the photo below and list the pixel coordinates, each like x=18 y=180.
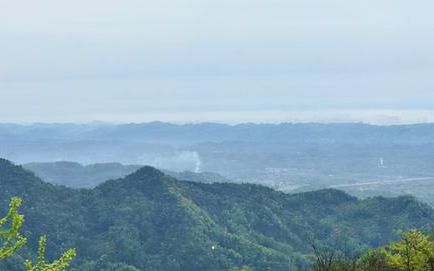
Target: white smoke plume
x=178 y=161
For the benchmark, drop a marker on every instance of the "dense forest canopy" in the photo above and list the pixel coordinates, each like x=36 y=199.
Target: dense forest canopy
x=151 y=221
x=11 y=240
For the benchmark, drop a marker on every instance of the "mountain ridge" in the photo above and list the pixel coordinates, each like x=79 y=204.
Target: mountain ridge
x=151 y=221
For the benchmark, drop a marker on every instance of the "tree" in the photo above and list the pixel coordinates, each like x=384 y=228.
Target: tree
x=10 y=237
x=11 y=240
x=415 y=252
x=375 y=260
x=42 y=265
x=325 y=258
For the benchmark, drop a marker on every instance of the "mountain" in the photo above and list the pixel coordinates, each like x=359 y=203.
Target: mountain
x=76 y=175
x=199 y=177
x=151 y=221
x=364 y=160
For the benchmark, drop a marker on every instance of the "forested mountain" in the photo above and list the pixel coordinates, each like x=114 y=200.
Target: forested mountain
x=363 y=160
x=151 y=221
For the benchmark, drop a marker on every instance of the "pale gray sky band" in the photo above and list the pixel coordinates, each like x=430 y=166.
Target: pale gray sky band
x=227 y=61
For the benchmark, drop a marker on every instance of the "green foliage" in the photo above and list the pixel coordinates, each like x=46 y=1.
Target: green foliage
x=375 y=260
x=42 y=265
x=10 y=238
x=104 y=264
x=413 y=252
x=150 y=221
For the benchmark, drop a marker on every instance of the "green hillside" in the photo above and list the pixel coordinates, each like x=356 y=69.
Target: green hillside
x=150 y=221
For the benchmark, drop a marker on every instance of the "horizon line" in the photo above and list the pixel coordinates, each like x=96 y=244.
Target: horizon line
x=379 y=117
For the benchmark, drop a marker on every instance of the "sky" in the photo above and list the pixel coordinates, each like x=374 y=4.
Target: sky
x=217 y=60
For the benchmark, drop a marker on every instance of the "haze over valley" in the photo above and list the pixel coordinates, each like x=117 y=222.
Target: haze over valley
x=229 y=135
x=364 y=160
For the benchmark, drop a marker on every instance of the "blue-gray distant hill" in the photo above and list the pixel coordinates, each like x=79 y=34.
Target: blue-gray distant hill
x=362 y=159
x=79 y=176
x=76 y=175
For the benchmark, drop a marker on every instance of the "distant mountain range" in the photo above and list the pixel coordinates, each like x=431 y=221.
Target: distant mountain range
x=364 y=160
x=151 y=221
x=75 y=175
x=246 y=151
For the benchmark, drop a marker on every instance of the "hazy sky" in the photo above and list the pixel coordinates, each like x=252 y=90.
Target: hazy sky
x=217 y=60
